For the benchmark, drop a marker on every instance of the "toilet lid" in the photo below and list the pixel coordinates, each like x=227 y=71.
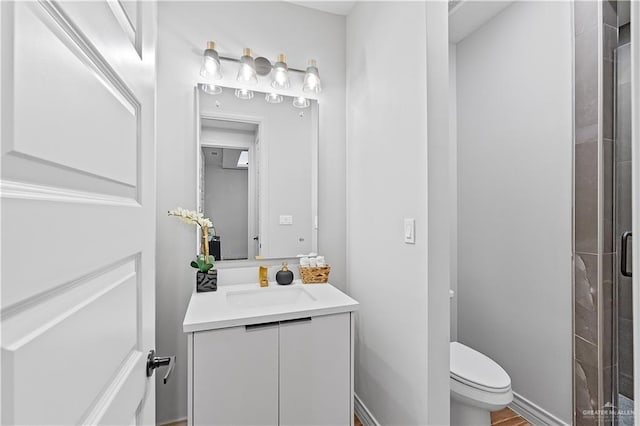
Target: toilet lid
x=477 y=370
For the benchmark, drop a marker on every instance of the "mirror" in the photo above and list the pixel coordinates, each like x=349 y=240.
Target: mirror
x=257 y=175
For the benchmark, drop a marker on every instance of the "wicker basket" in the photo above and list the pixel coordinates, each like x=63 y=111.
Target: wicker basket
x=315 y=274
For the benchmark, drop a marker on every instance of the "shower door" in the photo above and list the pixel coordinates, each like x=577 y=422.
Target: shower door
x=623 y=382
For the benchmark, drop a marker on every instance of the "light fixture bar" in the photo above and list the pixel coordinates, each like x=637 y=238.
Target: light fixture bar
x=237 y=60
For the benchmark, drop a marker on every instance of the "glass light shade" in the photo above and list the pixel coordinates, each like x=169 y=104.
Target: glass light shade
x=211 y=89
x=211 y=63
x=244 y=94
x=247 y=71
x=312 y=79
x=281 y=74
x=273 y=98
x=300 y=102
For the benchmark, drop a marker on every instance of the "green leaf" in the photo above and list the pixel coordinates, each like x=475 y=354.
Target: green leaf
x=211 y=259
x=206 y=267
x=194 y=265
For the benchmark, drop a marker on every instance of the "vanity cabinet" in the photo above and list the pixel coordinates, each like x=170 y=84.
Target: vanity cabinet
x=235 y=376
x=289 y=372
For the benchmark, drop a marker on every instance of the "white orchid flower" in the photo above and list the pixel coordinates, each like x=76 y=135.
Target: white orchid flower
x=191 y=217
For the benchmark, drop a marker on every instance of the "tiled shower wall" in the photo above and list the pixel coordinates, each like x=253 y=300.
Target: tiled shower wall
x=596 y=36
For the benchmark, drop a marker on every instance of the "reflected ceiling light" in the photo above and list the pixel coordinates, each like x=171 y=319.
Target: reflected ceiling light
x=210 y=89
x=211 y=62
x=312 y=78
x=300 y=102
x=243 y=159
x=244 y=94
x=281 y=73
x=247 y=71
x=273 y=98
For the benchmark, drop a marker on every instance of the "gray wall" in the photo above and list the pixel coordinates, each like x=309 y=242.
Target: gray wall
x=269 y=28
x=514 y=101
x=226 y=202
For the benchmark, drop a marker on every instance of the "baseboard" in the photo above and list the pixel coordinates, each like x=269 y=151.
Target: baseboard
x=179 y=422
x=363 y=412
x=533 y=413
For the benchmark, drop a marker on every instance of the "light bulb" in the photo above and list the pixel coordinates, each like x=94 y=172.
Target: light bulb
x=244 y=94
x=211 y=89
x=247 y=71
x=300 y=102
x=273 y=98
x=281 y=73
x=312 y=79
x=211 y=62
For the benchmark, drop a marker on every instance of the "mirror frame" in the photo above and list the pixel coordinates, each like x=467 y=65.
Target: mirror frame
x=262 y=181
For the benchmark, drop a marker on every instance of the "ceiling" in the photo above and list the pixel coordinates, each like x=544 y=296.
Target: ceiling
x=337 y=7
x=466 y=16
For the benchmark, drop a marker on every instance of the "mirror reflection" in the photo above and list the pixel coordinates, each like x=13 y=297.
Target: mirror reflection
x=257 y=175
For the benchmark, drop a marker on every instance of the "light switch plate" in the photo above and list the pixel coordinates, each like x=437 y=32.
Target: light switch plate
x=409 y=230
x=286 y=220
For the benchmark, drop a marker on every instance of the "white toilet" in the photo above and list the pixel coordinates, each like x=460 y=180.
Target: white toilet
x=478 y=387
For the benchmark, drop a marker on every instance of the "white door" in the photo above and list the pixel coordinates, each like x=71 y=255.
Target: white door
x=78 y=221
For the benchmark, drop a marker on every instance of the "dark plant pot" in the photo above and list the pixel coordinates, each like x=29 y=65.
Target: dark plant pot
x=207 y=281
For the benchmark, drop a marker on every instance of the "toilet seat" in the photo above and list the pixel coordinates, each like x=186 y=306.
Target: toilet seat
x=472 y=368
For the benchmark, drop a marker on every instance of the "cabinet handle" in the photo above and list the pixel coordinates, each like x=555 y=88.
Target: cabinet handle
x=262 y=325
x=296 y=320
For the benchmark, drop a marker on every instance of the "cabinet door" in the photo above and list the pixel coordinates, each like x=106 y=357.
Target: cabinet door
x=315 y=371
x=235 y=376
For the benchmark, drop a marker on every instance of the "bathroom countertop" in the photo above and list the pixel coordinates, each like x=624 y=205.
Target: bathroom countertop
x=221 y=309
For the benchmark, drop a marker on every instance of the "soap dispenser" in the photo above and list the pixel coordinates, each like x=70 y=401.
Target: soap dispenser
x=284 y=276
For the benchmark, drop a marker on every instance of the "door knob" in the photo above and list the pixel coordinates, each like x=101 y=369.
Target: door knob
x=154 y=362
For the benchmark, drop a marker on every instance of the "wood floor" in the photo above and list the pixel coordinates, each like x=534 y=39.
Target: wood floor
x=507 y=417
x=504 y=417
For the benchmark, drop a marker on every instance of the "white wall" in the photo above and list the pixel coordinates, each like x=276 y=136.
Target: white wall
x=387 y=181
x=269 y=28
x=453 y=173
x=514 y=102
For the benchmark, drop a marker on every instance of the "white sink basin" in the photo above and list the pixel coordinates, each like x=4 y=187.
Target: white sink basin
x=259 y=298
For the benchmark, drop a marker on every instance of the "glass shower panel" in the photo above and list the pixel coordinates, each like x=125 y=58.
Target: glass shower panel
x=624 y=314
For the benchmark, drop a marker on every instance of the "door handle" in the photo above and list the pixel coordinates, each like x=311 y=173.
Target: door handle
x=305 y=319
x=261 y=325
x=623 y=254
x=154 y=362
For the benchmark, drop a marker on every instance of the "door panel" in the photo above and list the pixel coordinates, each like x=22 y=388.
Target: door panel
x=78 y=211
x=315 y=371
x=235 y=376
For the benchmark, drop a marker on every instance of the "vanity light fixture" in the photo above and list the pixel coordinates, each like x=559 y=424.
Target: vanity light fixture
x=281 y=73
x=273 y=98
x=211 y=62
x=312 y=78
x=247 y=71
x=210 y=89
x=301 y=102
x=244 y=94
